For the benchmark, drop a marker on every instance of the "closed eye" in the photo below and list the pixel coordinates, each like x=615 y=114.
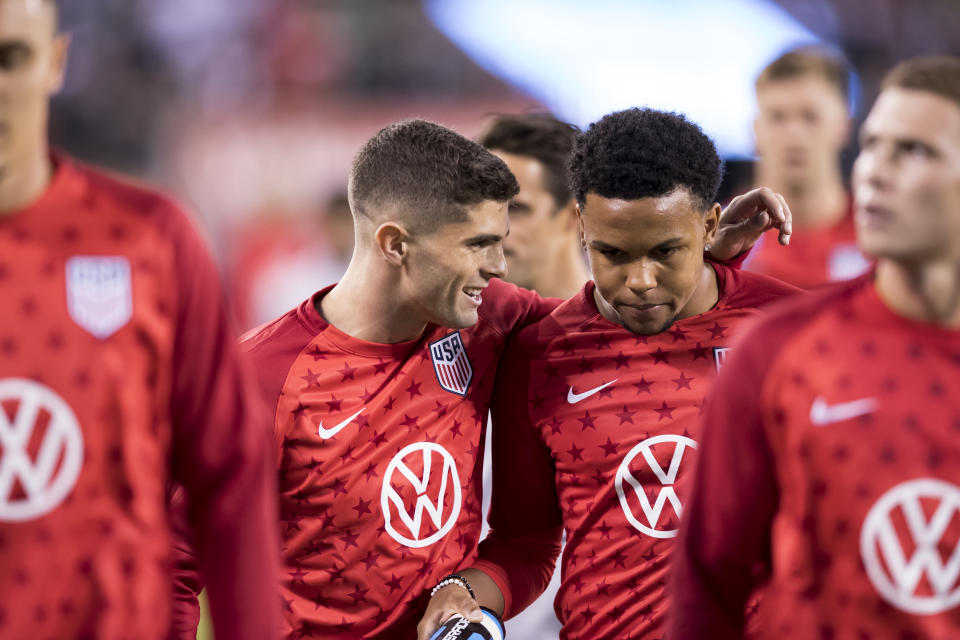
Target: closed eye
x=14 y=55
x=665 y=252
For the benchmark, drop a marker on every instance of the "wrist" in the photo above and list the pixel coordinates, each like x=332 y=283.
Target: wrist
x=451 y=580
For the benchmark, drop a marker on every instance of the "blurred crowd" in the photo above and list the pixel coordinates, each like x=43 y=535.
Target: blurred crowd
x=250 y=111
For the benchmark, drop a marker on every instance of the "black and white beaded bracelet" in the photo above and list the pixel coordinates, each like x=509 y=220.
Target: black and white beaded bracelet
x=456 y=579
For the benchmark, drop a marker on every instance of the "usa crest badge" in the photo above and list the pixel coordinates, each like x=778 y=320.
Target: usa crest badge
x=99 y=293
x=451 y=364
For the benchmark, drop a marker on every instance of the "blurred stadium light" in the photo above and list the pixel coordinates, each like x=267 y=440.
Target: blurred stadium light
x=585 y=59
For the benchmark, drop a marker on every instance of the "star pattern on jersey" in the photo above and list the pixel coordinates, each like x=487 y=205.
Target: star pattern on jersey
x=356 y=570
x=660 y=383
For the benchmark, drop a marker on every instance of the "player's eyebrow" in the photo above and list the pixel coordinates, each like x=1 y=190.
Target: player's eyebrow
x=603 y=246
x=671 y=242
x=520 y=205
x=485 y=238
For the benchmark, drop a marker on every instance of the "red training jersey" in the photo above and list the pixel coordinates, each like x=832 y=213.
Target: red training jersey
x=815 y=256
x=118 y=374
x=380 y=454
x=594 y=427
x=831 y=461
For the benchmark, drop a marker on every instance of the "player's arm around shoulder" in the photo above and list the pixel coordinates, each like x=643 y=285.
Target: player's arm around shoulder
x=507 y=560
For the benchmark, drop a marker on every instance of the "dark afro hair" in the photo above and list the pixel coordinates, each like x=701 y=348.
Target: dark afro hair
x=427 y=173
x=643 y=153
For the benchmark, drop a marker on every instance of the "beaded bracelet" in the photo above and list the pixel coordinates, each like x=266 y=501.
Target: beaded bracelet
x=456 y=579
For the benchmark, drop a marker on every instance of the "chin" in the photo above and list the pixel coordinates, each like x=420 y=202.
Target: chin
x=650 y=328
x=461 y=319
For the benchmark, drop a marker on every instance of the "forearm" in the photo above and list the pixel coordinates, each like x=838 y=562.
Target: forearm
x=487 y=592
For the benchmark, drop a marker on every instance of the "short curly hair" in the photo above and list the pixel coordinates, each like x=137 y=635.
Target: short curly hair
x=644 y=153
x=430 y=172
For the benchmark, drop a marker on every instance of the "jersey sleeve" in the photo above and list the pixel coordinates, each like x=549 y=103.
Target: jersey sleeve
x=187 y=583
x=510 y=309
x=522 y=547
x=222 y=452
x=724 y=539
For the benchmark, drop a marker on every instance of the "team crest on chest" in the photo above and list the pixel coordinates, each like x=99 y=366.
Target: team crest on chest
x=451 y=363
x=99 y=293
x=720 y=356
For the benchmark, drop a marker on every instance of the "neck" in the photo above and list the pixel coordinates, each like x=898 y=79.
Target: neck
x=24 y=181
x=928 y=292
x=566 y=274
x=705 y=297
x=366 y=305
x=819 y=201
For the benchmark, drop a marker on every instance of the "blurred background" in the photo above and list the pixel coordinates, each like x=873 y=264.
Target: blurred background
x=250 y=110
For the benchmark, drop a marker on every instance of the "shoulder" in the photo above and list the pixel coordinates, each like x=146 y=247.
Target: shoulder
x=764 y=338
x=506 y=306
x=137 y=200
x=749 y=289
x=570 y=316
x=279 y=341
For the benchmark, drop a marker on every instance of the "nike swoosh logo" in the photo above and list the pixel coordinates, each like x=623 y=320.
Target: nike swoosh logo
x=329 y=433
x=574 y=398
x=822 y=414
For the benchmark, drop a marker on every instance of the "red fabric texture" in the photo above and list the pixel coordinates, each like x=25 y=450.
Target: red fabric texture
x=844 y=434
x=114 y=308
x=588 y=418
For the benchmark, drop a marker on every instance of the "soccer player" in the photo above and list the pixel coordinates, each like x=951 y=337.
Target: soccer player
x=117 y=374
x=801 y=128
x=543 y=249
x=596 y=406
x=380 y=385
x=831 y=461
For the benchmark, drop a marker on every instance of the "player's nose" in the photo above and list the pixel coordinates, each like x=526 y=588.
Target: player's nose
x=641 y=276
x=495 y=263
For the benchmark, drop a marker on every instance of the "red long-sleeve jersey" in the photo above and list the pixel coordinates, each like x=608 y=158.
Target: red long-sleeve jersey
x=830 y=461
x=379 y=448
x=118 y=374
x=594 y=428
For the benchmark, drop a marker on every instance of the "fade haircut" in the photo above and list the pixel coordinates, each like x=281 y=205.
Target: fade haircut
x=426 y=173
x=815 y=60
x=542 y=137
x=644 y=153
x=937 y=74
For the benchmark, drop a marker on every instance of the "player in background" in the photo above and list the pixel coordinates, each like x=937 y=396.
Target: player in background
x=118 y=374
x=543 y=249
x=831 y=458
x=380 y=385
x=596 y=407
x=801 y=127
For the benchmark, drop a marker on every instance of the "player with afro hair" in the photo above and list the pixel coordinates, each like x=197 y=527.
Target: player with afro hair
x=643 y=153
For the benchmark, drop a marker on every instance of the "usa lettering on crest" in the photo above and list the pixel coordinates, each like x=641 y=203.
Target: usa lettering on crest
x=99 y=293
x=451 y=364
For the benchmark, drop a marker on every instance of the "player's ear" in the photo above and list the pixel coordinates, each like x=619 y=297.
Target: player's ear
x=583 y=238
x=571 y=215
x=58 y=61
x=756 y=137
x=393 y=242
x=711 y=221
